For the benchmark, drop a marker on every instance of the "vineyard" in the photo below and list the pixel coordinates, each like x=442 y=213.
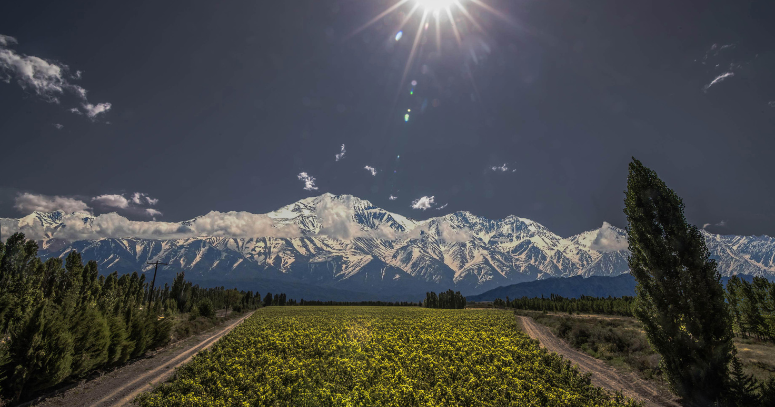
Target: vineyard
x=370 y=356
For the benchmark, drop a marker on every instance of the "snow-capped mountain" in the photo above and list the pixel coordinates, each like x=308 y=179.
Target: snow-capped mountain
x=348 y=243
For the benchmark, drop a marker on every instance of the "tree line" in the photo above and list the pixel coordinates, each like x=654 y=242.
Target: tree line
x=585 y=304
x=61 y=319
x=449 y=299
x=361 y=303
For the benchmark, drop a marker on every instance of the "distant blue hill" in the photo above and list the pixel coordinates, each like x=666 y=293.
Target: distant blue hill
x=570 y=287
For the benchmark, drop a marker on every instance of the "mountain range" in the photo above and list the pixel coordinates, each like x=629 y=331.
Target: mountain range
x=343 y=244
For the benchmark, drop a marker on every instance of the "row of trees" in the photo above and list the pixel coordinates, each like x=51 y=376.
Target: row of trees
x=586 y=304
x=449 y=299
x=362 y=303
x=60 y=320
x=753 y=307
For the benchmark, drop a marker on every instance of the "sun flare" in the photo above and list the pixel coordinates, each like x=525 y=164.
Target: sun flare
x=435 y=5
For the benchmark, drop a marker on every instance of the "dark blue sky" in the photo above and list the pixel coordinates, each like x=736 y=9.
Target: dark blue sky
x=219 y=105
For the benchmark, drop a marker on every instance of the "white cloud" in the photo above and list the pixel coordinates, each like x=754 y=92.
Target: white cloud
x=152 y=212
x=309 y=181
x=423 y=203
x=140 y=198
x=392 y=198
x=718 y=79
x=111 y=201
x=58 y=126
x=608 y=240
x=372 y=170
x=28 y=203
x=502 y=168
x=442 y=207
x=76 y=111
x=341 y=154
x=337 y=221
x=93 y=110
x=5 y=40
x=46 y=79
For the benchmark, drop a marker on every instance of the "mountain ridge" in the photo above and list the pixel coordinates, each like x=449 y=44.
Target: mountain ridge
x=344 y=242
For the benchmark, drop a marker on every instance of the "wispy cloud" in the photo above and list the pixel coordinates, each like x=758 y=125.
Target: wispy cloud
x=771 y=104
x=111 y=201
x=425 y=202
x=28 y=203
x=442 y=207
x=58 y=126
x=372 y=170
x=152 y=212
x=721 y=224
x=719 y=79
x=392 y=198
x=502 y=168
x=341 y=153
x=47 y=79
x=309 y=181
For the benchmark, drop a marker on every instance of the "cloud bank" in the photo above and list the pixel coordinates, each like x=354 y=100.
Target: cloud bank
x=28 y=203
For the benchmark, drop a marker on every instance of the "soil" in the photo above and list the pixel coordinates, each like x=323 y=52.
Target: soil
x=602 y=375
x=120 y=386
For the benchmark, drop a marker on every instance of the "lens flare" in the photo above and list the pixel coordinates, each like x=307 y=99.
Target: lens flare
x=399 y=35
x=434 y=5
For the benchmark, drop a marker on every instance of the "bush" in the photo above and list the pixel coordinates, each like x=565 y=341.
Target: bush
x=206 y=308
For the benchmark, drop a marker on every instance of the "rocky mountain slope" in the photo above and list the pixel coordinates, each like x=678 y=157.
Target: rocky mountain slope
x=347 y=243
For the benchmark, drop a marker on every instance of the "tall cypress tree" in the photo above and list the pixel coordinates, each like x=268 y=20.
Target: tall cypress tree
x=680 y=300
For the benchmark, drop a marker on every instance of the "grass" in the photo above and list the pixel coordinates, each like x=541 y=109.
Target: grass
x=621 y=342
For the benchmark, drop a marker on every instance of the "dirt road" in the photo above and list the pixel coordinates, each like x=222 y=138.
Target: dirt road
x=602 y=375
x=121 y=386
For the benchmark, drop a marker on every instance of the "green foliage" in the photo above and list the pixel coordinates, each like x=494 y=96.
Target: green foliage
x=753 y=307
x=60 y=320
x=742 y=387
x=205 y=308
x=449 y=300
x=592 y=305
x=680 y=300
x=386 y=356
x=92 y=341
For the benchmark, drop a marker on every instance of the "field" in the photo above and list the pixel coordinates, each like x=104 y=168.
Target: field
x=378 y=356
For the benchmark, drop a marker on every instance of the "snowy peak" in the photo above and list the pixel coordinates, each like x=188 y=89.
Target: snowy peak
x=607 y=238
x=343 y=241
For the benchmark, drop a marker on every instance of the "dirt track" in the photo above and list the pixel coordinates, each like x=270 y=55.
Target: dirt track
x=121 y=386
x=602 y=375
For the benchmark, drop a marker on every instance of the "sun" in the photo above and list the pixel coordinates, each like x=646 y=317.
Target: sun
x=435 y=5
x=441 y=15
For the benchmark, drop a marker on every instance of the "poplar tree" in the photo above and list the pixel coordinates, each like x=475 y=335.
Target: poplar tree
x=680 y=300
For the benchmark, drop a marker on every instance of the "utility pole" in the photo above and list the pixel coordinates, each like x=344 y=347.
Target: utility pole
x=150 y=294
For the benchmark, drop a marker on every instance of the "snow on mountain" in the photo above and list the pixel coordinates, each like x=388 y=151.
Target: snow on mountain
x=345 y=242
